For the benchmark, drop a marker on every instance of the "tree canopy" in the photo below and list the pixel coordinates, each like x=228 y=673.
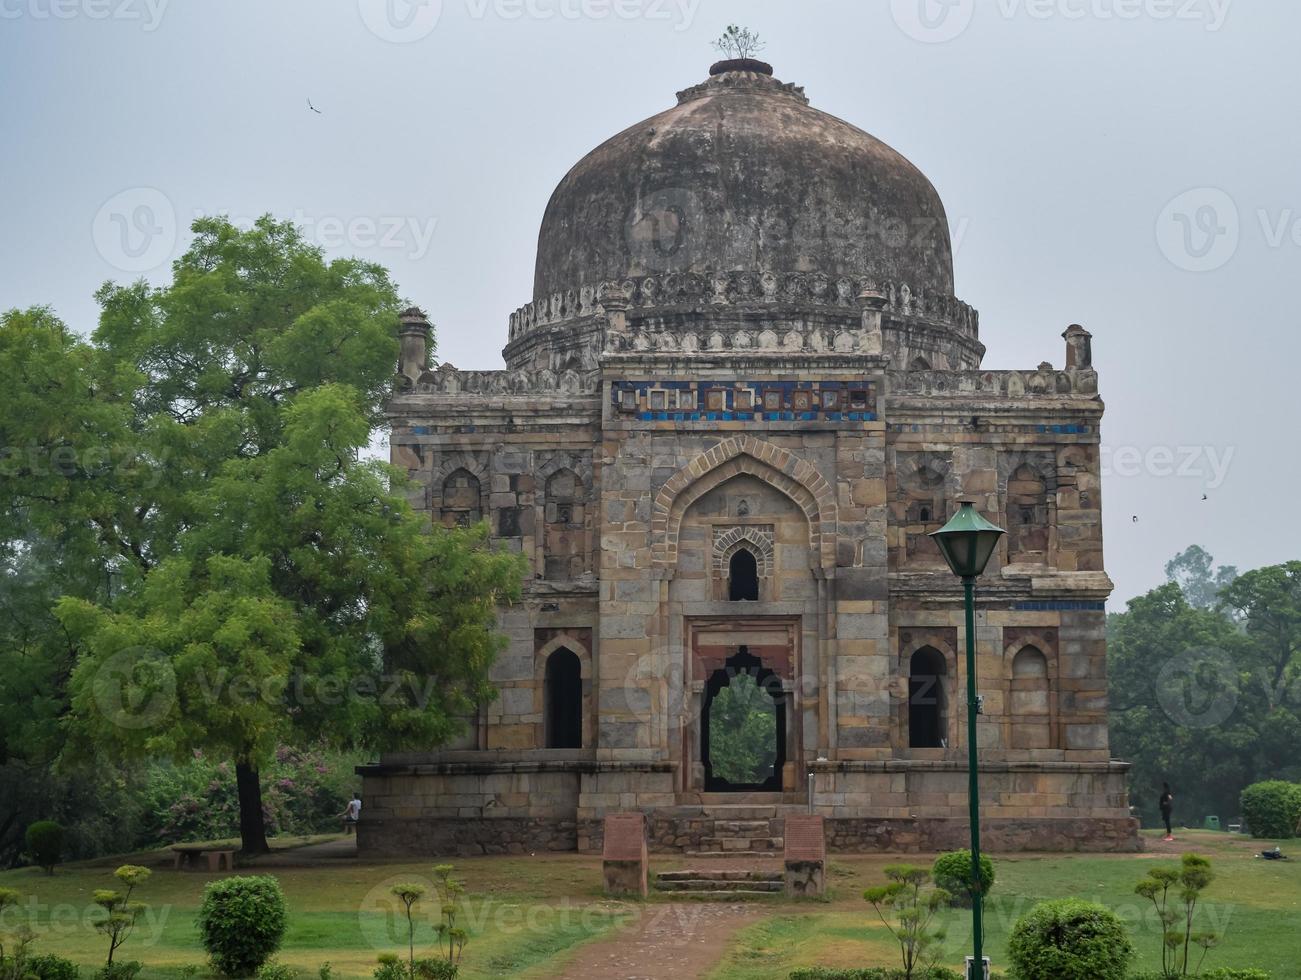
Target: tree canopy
x=224 y=568
x=1207 y=697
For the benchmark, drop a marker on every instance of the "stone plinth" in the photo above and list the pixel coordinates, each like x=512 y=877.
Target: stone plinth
x=623 y=857
x=805 y=855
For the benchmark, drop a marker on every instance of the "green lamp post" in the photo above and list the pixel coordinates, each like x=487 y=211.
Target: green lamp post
x=967 y=542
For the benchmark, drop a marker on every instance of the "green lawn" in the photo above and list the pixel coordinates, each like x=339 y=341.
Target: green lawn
x=523 y=913
x=1255 y=904
x=527 y=914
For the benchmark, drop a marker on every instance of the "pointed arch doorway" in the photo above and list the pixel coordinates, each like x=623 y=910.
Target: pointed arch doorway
x=743 y=727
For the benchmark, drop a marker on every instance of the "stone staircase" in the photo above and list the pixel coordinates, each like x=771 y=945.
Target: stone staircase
x=721 y=884
x=741 y=830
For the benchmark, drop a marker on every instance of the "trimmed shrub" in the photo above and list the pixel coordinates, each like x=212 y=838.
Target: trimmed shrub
x=242 y=921
x=1069 y=939
x=952 y=872
x=390 y=968
x=47 y=966
x=45 y=844
x=436 y=969
x=1272 y=808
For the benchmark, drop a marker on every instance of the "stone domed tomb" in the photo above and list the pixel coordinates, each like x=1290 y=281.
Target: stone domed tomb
x=741 y=397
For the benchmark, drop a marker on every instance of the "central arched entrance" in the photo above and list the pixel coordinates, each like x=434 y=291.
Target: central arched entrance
x=743 y=727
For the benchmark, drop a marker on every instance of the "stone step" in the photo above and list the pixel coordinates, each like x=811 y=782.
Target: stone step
x=721 y=810
x=728 y=896
x=720 y=875
x=742 y=828
x=726 y=844
x=731 y=854
x=710 y=885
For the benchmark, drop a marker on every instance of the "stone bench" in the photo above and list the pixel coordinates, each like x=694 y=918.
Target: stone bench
x=191 y=855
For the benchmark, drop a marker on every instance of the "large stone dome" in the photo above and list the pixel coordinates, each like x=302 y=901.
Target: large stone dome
x=744 y=175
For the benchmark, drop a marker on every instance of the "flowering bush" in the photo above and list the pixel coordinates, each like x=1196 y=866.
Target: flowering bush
x=303 y=791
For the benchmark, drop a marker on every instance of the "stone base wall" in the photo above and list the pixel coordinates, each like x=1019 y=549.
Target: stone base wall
x=997 y=835
x=379 y=837
x=937 y=790
x=672 y=832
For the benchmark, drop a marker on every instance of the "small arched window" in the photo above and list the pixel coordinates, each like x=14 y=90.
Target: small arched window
x=562 y=692
x=743 y=577
x=461 y=505
x=927 y=708
x=919 y=364
x=1031 y=701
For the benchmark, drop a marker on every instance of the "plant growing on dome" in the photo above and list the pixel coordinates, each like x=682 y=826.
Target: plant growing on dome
x=739 y=43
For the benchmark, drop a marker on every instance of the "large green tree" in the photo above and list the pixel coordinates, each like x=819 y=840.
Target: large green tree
x=1206 y=697
x=271 y=584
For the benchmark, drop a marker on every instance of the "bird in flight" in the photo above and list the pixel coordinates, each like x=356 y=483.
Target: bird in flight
x=1135 y=518
x=313 y=108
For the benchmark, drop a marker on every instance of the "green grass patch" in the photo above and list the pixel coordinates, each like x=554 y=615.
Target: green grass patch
x=523 y=913
x=1255 y=904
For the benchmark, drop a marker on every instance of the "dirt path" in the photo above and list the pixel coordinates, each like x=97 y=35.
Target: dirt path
x=666 y=942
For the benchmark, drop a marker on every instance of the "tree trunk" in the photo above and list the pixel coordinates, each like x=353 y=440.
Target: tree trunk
x=252 y=826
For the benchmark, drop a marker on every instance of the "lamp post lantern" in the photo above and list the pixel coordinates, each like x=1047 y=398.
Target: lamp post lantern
x=967 y=542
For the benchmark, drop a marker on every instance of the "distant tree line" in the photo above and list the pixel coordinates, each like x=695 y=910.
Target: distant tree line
x=1205 y=685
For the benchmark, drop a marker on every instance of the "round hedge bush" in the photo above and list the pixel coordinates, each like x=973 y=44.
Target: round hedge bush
x=242 y=921
x=1069 y=939
x=1272 y=808
x=952 y=872
x=45 y=844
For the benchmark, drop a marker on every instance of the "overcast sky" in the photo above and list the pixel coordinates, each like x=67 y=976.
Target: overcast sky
x=1131 y=165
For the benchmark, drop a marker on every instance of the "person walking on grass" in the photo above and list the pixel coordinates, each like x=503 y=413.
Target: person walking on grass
x=350 y=814
x=1167 y=805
